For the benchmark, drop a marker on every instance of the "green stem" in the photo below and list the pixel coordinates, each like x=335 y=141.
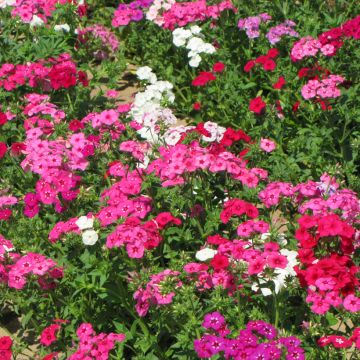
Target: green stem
x=276 y=309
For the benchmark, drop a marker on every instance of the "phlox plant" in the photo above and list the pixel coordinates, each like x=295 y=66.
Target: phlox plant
x=304 y=123
x=213 y=213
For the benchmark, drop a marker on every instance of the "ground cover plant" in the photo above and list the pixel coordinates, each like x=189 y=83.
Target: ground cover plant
x=212 y=214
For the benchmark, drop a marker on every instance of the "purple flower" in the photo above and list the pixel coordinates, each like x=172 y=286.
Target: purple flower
x=213 y=321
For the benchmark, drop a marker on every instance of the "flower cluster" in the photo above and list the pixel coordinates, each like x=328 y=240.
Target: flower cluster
x=206 y=76
x=107 y=38
x=267 y=61
x=328 y=42
x=181 y=159
x=154 y=292
x=234 y=261
x=126 y=13
x=5 y=202
x=139 y=236
x=16 y=269
x=88 y=234
x=182 y=13
x=331 y=280
x=259 y=340
x=193 y=42
x=324 y=89
x=5 y=348
x=321 y=198
x=54 y=160
x=50 y=74
x=156 y=10
x=34 y=12
x=94 y=346
x=148 y=110
x=251 y=25
x=275 y=33
x=341 y=342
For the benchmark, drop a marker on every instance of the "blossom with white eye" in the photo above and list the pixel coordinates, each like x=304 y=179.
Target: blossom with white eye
x=90 y=237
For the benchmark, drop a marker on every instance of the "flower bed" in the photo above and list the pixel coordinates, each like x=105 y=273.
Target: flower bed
x=129 y=233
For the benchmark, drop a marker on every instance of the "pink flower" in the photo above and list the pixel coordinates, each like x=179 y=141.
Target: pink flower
x=352 y=303
x=325 y=283
x=256 y=266
x=267 y=145
x=135 y=250
x=277 y=261
x=48 y=335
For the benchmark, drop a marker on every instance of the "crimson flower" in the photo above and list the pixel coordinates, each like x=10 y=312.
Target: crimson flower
x=219 y=67
x=257 y=105
x=203 y=78
x=219 y=262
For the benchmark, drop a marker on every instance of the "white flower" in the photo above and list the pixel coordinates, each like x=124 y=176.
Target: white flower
x=205 y=254
x=7 y=249
x=208 y=48
x=216 y=132
x=145 y=73
x=36 y=21
x=83 y=222
x=90 y=237
x=195 y=61
x=282 y=239
x=265 y=236
x=281 y=274
x=195 y=29
x=172 y=137
x=195 y=44
x=5 y=3
x=62 y=27
x=180 y=36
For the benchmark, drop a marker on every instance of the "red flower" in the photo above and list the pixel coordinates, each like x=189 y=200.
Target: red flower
x=48 y=335
x=17 y=148
x=201 y=129
x=5 y=354
x=83 y=78
x=197 y=106
x=5 y=214
x=296 y=106
x=219 y=262
x=75 y=125
x=257 y=105
x=3 y=118
x=203 y=78
x=50 y=356
x=219 y=67
x=3 y=149
x=269 y=65
x=164 y=218
x=216 y=240
x=5 y=343
x=273 y=53
x=261 y=59
x=340 y=342
x=249 y=65
x=280 y=83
